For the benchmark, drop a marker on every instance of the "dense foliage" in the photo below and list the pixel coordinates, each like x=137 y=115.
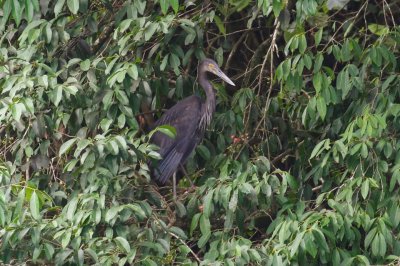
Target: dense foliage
x=299 y=166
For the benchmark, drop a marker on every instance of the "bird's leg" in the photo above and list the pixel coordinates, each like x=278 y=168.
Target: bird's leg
x=174 y=186
x=186 y=174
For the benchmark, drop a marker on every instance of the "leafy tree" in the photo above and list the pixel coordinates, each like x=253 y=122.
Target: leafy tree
x=300 y=165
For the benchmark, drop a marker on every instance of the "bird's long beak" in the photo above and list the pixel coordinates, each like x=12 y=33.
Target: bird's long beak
x=224 y=77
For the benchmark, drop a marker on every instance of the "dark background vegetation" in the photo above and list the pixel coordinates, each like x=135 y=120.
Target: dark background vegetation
x=300 y=165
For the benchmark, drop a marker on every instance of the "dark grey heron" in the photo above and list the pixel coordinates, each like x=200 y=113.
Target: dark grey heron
x=190 y=117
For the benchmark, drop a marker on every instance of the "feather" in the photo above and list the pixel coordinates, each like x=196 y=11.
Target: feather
x=185 y=117
x=168 y=165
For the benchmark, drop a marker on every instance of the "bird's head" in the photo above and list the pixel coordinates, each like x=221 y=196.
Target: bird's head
x=209 y=65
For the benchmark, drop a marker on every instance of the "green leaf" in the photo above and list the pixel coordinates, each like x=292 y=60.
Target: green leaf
x=302 y=44
x=387 y=82
x=29 y=106
x=19 y=203
x=370 y=236
x=203 y=240
x=29 y=9
x=321 y=107
x=365 y=188
x=124 y=25
x=294 y=44
x=66 y=238
x=58 y=7
x=363 y=259
x=62 y=256
x=318 y=36
x=139 y=210
x=66 y=146
x=92 y=254
x=6 y=8
x=16 y=11
x=150 y=29
x=57 y=95
x=82 y=144
x=85 y=65
x=71 y=209
x=207 y=202
x=286 y=67
x=255 y=255
x=48 y=250
x=205 y=226
x=121 y=142
x=175 y=5
x=164 y=6
x=246 y=188
x=292 y=181
x=378 y=29
x=170 y=131
x=194 y=223
x=16 y=110
x=133 y=71
x=131 y=256
x=34 y=206
x=318 y=62
x=81 y=258
x=112 y=146
x=233 y=202
x=164 y=63
x=307 y=61
x=105 y=124
x=111 y=213
x=296 y=243
x=49 y=33
x=111 y=65
x=73 y=6
x=317 y=82
x=343 y=83
x=277 y=6
x=220 y=25
x=204 y=152
x=179 y=232
x=317 y=149
x=394 y=180
x=364 y=151
x=375 y=247
x=123 y=244
x=320 y=239
x=382 y=245
x=107 y=99
x=336 y=4
x=229 y=218
x=121 y=120
x=174 y=61
x=122 y=97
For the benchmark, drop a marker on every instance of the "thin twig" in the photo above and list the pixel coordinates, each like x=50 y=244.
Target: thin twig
x=233 y=51
x=344 y=23
x=184 y=243
x=270 y=52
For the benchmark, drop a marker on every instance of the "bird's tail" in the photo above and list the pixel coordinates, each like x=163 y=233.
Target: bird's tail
x=167 y=166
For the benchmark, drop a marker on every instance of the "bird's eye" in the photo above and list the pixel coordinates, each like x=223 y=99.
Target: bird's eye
x=211 y=68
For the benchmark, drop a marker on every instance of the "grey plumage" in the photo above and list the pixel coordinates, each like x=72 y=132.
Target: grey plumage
x=190 y=117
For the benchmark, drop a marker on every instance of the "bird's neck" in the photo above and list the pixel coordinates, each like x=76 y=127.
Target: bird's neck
x=209 y=104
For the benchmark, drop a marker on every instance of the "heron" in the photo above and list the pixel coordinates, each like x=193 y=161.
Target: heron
x=190 y=117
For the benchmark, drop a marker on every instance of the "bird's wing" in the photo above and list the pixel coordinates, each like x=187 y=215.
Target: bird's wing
x=185 y=117
x=182 y=109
